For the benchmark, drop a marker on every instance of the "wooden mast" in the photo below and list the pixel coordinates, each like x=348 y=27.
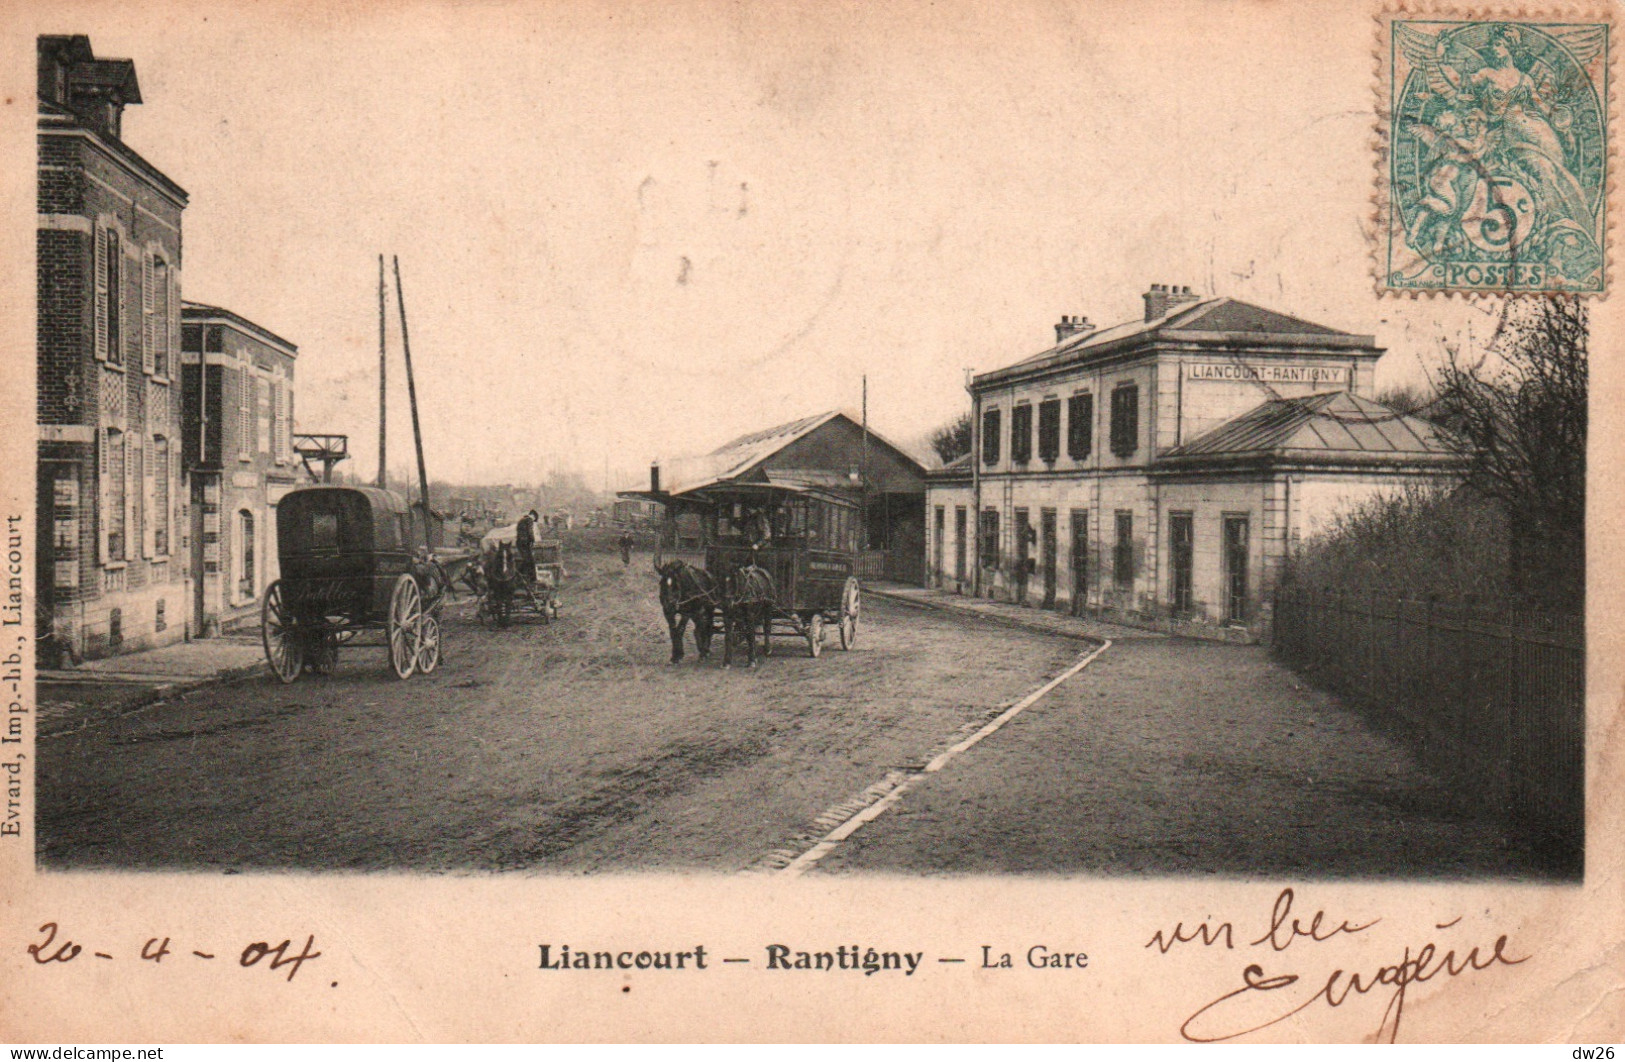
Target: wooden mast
x=412 y=401
x=383 y=373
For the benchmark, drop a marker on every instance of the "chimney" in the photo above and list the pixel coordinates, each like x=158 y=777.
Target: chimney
x=1071 y=326
x=654 y=478
x=1163 y=299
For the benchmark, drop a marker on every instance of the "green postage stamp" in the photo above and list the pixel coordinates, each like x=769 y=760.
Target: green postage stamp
x=1496 y=173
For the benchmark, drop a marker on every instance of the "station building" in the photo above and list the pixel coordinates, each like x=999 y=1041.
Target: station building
x=239 y=397
x=1157 y=472
x=111 y=573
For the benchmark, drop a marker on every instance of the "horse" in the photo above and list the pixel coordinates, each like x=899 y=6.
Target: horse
x=501 y=571
x=747 y=603
x=687 y=593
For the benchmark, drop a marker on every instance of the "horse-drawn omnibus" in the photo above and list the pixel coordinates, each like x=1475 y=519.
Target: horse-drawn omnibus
x=806 y=537
x=353 y=560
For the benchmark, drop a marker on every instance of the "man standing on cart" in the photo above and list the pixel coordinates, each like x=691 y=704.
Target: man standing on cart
x=524 y=540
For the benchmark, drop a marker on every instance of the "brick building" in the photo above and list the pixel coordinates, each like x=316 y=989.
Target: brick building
x=112 y=542
x=238 y=449
x=1159 y=471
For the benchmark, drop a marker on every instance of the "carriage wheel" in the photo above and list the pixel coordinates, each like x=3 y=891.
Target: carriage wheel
x=280 y=635
x=849 y=614
x=815 y=634
x=404 y=626
x=429 y=647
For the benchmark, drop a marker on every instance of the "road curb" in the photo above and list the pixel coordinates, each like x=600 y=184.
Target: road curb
x=991 y=617
x=154 y=695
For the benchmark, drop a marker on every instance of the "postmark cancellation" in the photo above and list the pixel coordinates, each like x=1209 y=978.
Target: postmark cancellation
x=1494 y=152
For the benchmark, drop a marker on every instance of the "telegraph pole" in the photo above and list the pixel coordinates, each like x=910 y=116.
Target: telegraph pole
x=412 y=396
x=383 y=371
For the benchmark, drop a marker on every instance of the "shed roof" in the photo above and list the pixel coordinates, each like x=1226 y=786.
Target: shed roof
x=737 y=457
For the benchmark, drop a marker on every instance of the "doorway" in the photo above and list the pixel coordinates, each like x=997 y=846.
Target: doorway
x=1080 y=561
x=1235 y=568
x=1047 y=544
x=1181 y=560
x=938 y=528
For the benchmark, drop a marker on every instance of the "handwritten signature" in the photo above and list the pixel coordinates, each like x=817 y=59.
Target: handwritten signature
x=47 y=951
x=1235 y=1013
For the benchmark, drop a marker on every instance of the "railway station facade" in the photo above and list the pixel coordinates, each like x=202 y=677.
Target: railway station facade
x=1159 y=471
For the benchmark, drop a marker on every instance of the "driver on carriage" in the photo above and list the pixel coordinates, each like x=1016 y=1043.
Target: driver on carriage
x=524 y=540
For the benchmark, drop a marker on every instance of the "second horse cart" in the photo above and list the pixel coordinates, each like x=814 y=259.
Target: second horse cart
x=510 y=587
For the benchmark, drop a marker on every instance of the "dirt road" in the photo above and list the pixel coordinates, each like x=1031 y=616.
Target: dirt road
x=574 y=748
x=567 y=747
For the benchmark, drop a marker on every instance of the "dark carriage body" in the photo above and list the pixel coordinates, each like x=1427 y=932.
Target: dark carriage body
x=352 y=559
x=341 y=550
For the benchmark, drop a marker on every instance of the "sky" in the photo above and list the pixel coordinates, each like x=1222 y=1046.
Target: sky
x=631 y=232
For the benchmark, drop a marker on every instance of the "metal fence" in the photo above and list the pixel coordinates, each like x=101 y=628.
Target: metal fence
x=1496 y=699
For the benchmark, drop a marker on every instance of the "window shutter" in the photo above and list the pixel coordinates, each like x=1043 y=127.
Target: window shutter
x=245 y=427
x=148 y=290
x=178 y=486
x=132 y=495
x=173 y=324
x=149 y=497
x=100 y=268
x=276 y=421
x=103 y=493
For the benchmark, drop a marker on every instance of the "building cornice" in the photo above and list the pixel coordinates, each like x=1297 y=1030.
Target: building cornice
x=119 y=153
x=1131 y=349
x=198 y=313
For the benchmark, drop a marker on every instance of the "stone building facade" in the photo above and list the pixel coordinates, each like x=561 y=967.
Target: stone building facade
x=1159 y=471
x=238 y=418
x=112 y=539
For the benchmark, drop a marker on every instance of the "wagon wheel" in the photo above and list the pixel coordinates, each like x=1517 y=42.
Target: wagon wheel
x=815 y=633
x=429 y=643
x=849 y=613
x=280 y=634
x=404 y=626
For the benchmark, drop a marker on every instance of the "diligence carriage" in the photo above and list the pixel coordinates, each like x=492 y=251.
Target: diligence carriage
x=353 y=560
x=806 y=537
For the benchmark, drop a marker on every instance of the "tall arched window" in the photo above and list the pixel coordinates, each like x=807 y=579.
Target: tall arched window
x=245 y=550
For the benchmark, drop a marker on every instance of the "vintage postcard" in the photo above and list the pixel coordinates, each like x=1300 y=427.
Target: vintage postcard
x=802 y=521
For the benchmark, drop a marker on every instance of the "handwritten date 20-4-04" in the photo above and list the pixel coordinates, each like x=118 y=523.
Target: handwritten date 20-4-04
x=47 y=951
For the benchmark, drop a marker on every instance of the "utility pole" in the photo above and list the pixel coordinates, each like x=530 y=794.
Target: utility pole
x=867 y=538
x=412 y=399
x=383 y=370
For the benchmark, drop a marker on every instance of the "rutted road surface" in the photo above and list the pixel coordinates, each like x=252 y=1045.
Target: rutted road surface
x=565 y=747
x=575 y=747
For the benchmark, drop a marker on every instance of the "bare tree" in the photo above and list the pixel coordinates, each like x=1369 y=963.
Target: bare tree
x=1406 y=398
x=952 y=440
x=1520 y=411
